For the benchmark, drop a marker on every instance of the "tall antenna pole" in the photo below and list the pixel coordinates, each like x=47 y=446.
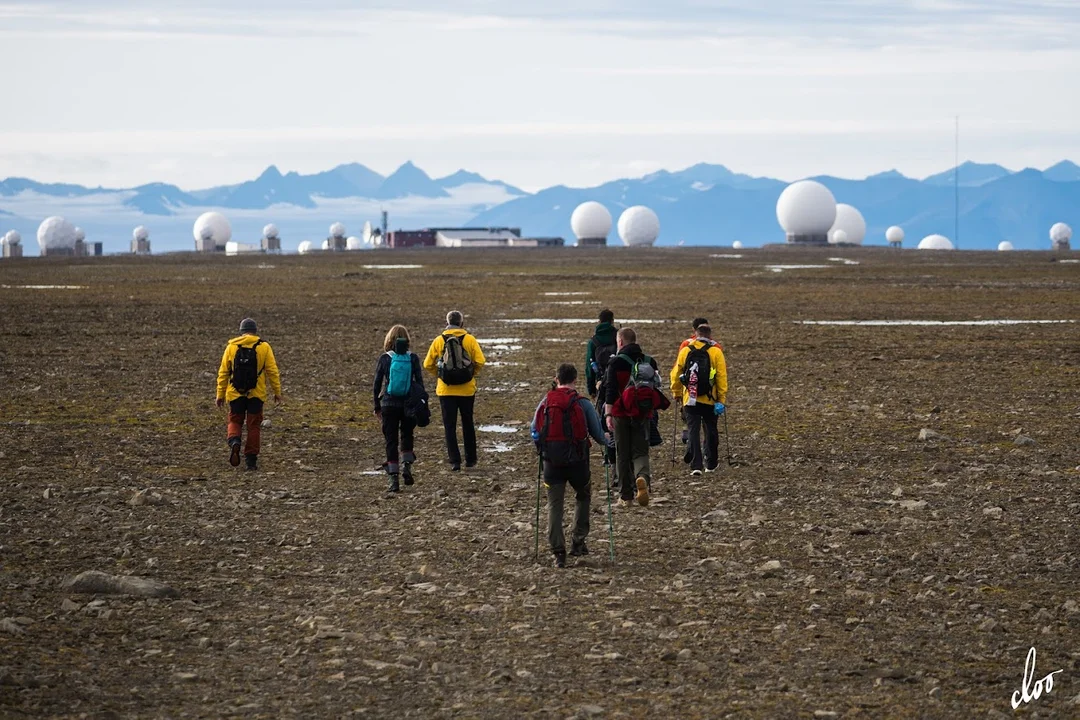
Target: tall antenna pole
x=956 y=185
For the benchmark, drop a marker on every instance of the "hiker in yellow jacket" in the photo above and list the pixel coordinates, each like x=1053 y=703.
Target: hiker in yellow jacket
x=699 y=377
x=456 y=359
x=242 y=382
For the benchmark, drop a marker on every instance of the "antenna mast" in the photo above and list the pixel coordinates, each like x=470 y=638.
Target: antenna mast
x=956 y=186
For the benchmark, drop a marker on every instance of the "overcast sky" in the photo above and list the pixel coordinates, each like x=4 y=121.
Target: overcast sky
x=534 y=92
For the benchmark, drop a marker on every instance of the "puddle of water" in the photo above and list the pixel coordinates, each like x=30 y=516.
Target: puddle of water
x=782 y=268
x=557 y=294
x=502 y=429
x=503 y=348
x=578 y=321
x=45 y=287
x=846 y=261
x=1069 y=261
x=497 y=341
x=932 y=322
x=567 y=302
x=373 y=472
x=726 y=256
x=561 y=340
x=266 y=267
x=500 y=363
x=393 y=267
x=500 y=447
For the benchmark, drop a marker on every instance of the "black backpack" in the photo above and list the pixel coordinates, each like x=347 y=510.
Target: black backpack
x=700 y=357
x=245 y=368
x=455 y=366
x=602 y=353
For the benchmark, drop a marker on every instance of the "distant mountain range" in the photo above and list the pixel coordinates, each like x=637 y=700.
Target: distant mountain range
x=701 y=205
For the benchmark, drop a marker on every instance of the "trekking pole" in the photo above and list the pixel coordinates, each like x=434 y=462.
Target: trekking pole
x=536 y=539
x=675 y=432
x=727 y=441
x=610 y=525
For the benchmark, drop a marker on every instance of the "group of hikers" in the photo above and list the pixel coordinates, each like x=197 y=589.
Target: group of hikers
x=619 y=411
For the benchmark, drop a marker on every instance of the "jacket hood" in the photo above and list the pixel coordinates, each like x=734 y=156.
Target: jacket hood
x=245 y=340
x=606 y=332
x=632 y=350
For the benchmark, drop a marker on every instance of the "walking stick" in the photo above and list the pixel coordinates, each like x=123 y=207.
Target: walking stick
x=727 y=441
x=610 y=524
x=675 y=432
x=536 y=527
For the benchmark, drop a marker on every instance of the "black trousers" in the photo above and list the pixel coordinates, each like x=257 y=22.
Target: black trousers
x=698 y=418
x=395 y=425
x=452 y=405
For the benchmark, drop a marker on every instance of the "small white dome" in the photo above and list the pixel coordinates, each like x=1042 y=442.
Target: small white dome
x=13 y=237
x=80 y=234
x=895 y=234
x=838 y=237
x=737 y=245
x=851 y=222
x=1005 y=246
x=935 y=242
x=806 y=208
x=270 y=231
x=140 y=233
x=591 y=221
x=337 y=230
x=304 y=248
x=354 y=243
x=213 y=226
x=639 y=225
x=56 y=233
x=1061 y=233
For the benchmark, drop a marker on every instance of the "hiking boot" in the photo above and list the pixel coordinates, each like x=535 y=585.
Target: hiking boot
x=406 y=474
x=560 y=560
x=252 y=462
x=578 y=549
x=626 y=502
x=470 y=464
x=455 y=467
x=234 y=452
x=695 y=473
x=642 y=496
x=712 y=469
x=393 y=487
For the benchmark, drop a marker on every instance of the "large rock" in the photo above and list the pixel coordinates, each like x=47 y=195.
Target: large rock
x=94 y=582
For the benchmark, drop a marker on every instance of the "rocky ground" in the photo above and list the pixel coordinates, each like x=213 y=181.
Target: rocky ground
x=849 y=563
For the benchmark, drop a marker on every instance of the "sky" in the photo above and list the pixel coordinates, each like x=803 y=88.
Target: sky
x=532 y=92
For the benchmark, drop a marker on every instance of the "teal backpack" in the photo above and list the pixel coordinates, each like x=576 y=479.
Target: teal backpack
x=400 y=381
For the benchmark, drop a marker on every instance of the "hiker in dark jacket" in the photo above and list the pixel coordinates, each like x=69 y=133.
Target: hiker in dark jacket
x=601 y=348
x=557 y=472
x=389 y=392
x=631 y=434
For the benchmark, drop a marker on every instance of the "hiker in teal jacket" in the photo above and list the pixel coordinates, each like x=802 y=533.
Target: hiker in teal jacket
x=600 y=350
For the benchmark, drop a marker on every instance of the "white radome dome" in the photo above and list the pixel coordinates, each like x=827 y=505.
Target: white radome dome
x=806 y=208
x=270 y=231
x=140 y=233
x=80 y=234
x=354 y=243
x=838 y=237
x=851 y=222
x=304 y=248
x=13 y=237
x=1061 y=233
x=895 y=234
x=935 y=242
x=337 y=230
x=213 y=226
x=56 y=233
x=639 y=225
x=737 y=245
x=591 y=221
x=1005 y=246
x=326 y=244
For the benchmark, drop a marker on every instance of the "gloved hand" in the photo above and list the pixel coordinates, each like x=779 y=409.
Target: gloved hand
x=719 y=408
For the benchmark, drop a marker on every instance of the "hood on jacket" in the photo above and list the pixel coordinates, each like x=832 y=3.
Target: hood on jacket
x=245 y=340
x=605 y=332
x=633 y=350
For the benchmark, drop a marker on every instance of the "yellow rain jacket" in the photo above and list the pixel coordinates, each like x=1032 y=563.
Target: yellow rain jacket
x=434 y=354
x=268 y=370
x=718 y=370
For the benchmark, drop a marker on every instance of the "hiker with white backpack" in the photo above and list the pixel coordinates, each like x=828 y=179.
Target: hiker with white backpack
x=456 y=359
x=398 y=387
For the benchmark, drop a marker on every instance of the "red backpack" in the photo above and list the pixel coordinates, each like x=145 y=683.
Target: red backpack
x=564 y=433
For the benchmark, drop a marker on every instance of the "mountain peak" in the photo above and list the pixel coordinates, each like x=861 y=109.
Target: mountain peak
x=893 y=174
x=270 y=173
x=409 y=180
x=1064 y=171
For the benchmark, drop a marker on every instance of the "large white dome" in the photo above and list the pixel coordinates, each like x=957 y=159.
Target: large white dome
x=1005 y=246
x=590 y=221
x=337 y=230
x=13 y=237
x=935 y=242
x=56 y=233
x=895 y=234
x=270 y=231
x=304 y=248
x=806 y=208
x=737 y=245
x=851 y=221
x=1061 y=233
x=213 y=226
x=140 y=233
x=639 y=225
x=354 y=243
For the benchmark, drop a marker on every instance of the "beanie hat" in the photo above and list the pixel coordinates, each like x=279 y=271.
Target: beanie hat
x=247 y=325
x=454 y=318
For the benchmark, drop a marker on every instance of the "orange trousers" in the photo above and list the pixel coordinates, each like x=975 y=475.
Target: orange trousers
x=247 y=411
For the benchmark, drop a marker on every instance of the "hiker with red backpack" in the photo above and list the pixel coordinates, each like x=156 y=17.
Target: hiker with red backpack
x=398 y=379
x=456 y=359
x=561 y=427
x=247 y=366
x=700 y=379
x=628 y=421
